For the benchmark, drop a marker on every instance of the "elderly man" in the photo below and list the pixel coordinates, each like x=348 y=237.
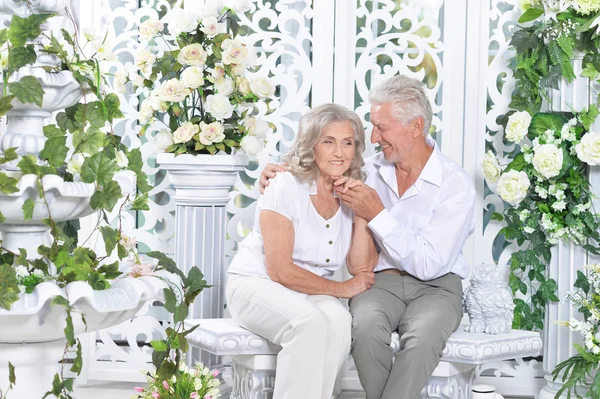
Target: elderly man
x=420 y=209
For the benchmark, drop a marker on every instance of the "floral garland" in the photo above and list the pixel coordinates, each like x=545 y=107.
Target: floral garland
x=544 y=180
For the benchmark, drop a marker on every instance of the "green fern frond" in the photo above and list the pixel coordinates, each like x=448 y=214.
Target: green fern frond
x=566 y=43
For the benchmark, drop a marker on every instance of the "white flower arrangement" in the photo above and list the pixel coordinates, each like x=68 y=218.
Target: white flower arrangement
x=198 y=382
x=204 y=88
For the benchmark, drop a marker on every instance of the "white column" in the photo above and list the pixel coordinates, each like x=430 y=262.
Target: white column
x=202 y=185
x=567 y=258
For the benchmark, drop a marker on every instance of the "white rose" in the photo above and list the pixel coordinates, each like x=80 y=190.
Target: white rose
x=211 y=27
x=234 y=52
x=163 y=139
x=192 y=77
x=38 y=273
x=145 y=113
x=156 y=102
x=243 y=85
x=225 y=86
x=256 y=127
x=491 y=167
x=173 y=91
x=180 y=21
x=548 y=160
x=185 y=132
x=517 y=126
x=144 y=60
x=588 y=150
x=218 y=73
x=150 y=28
x=238 y=69
x=237 y=6
x=513 y=186
x=262 y=87
x=136 y=79
x=251 y=145
x=122 y=161
x=211 y=133
x=193 y=55
x=219 y=106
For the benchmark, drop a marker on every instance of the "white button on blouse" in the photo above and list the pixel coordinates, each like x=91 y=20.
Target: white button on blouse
x=320 y=245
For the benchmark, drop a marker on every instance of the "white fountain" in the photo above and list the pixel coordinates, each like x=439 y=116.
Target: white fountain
x=31 y=332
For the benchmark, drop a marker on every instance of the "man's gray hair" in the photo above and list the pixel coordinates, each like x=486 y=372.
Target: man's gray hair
x=301 y=157
x=407 y=97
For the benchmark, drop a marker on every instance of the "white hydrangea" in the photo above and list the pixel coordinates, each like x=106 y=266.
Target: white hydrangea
x=559 y=205
x=524 y=214
x=528 y=230
x=21 y=271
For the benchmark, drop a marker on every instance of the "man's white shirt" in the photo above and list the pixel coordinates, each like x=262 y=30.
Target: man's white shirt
x=423 y=232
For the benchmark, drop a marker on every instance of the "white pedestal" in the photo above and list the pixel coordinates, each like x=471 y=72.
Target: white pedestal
x=202 y=184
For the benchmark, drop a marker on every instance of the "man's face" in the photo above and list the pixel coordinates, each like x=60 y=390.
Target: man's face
x=396 y=140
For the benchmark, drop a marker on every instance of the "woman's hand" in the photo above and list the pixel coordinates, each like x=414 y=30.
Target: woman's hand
x=361 y=282
x=268 y=173
x=344 y=183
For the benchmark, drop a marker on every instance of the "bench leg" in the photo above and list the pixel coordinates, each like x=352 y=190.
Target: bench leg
x=253 y=376
x=450 y=381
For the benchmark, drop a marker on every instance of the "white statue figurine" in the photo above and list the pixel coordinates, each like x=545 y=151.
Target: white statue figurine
x=488 y=302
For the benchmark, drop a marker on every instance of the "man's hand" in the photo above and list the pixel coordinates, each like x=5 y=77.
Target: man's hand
x=268 y=173
x=358 y=284
x=363 y=200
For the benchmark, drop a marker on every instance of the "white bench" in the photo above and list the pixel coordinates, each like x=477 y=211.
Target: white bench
x=254 y=358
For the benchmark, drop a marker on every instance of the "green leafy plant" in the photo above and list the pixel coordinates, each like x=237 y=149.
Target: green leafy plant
x=580 y=371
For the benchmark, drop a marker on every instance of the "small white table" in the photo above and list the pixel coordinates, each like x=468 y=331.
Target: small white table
x=254 y=358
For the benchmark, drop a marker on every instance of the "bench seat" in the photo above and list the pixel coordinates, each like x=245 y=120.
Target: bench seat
x=254 y=358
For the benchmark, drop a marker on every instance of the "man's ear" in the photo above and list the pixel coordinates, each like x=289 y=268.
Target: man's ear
x=417 y=125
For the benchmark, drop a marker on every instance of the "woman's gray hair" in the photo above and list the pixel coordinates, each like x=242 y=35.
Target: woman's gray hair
x=301 y=157
x=407 y=97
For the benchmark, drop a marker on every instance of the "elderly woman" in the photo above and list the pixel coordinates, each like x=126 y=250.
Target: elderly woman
x=280 y=284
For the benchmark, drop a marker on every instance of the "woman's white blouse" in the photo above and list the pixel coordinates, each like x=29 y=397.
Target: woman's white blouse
x=320 y=246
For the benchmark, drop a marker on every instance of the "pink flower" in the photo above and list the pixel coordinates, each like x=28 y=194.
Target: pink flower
x=194 y=395
x=155 y=395
x=138 y=389
x=207 y=396
x=166 y=385
x=139 y=270
x=216 y=373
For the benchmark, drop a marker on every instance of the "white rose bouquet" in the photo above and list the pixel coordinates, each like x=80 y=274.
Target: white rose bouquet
x=203 y=87
x=549 y=198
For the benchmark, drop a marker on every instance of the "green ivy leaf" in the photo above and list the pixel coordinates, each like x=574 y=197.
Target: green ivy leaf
x=23 y=29
x=159 y=346
x=2 y=218
x=5 y=104
x=78 y=361
x=107 y=197
x=582 y=282
x=27 y=207
x=8 y=185
x=92 y=113
x=55 y=151
x=111 y=237
x=113 y=107
x=9 y=288
x=53 y=131
x=11 y=374
x=140 y=203
x=3 y=36
x=28 y=165
x=27 y=90
x=88 y=142
x=66 y=120
x=20 y=56
x=170 y=300
x=98 y=168
x=588 y=117
x=110 y=271
x=166 y=263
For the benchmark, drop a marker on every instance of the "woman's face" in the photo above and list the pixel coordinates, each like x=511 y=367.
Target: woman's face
x=335 y=149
